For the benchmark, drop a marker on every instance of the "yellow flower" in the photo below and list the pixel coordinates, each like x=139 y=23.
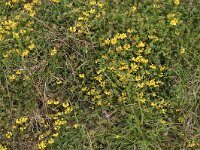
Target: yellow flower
x=182 y=50
x=31 y=46
x=41 y=145
x=170 y=15
x=117 y=136
x=49 y=102
x=32 y=13
x=12 y=77
x=21 y=120
x=84 y=89
x=107 y=92
x=53 y=51
x=151 y=83
x=127 y=46
x=130 y=30
x=92 y=11
x=174 y=21
x=152 y=66
x=16 y=35
x=107 y=41
x=82 y=75
x=141 y=44
x=55 y=134
x=72 y=29
x=113 y=41
x=18 y=72
x=181 y=119
x=76 y=126
x=119 y=48
x=24 y=53
x=140 y=85
x=138 y=78
x=3 y=147
x=35 y=1
x=192 y=143
x=58 y=82
x=65 y=105
x=176 y=2
x=28 y=7
x=99 y=103
x=153 y=94
x=163 y=121
x=8 y=135
x=51 y=141
x=134 y=8
x=56 y=102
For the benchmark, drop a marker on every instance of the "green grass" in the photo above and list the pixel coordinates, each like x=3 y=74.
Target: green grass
x=99 y=75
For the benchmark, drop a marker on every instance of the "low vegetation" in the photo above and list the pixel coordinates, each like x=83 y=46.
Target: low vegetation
x=99 y=74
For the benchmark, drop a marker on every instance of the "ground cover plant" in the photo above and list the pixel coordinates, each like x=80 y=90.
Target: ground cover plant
x=99 y=74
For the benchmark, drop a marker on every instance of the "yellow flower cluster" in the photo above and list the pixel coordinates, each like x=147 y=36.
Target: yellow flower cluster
x=94 y=10
x=125 y=64
x=29 y=8
x=173 y=20
x=21 y=120
x=176 y=2
x=3 y=147
x=53 y=52
x=8 y=135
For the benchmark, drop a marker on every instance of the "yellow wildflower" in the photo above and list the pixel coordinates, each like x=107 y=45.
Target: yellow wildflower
x=72 y=29
x=53 y=52
x=174 y=21
x=49 y=102
x=8 y=135
x=113 y=41
x=16 y=35
x=140 y=85
x=138 y=78
x=119 y=48
x=24 y=53
x=28 y=7
x=21 y=120
x=176 y=2
x=192 y=143
x=163 y=121
x=76 y=125
x=41 y=145
x=141 y=44
x=182 y=50
x=12 y=77
x=18 y=72
x=51 y=141
x=130 y=30
x=127 y=46
x=3 y=147
x=31 y=46
x=134 y=8
x=170 y=15
x=82 y=75
x=152 y=66
x=55 y=134
x=35 y=1
x=99 y=102
x=107 y=41
x=65 y=105
x=56 y=102
x=84 y=89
